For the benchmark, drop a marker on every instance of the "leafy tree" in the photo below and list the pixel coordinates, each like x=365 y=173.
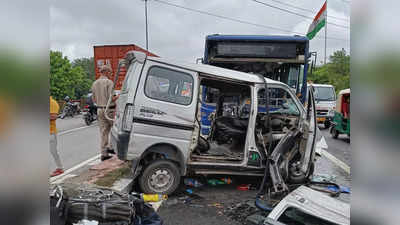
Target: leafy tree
x=336 y=72
x=66 y=79
x=87 y=65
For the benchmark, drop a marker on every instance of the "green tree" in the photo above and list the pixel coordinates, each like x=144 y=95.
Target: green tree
x=87 y=65
x=336 y=72
x=66 y=79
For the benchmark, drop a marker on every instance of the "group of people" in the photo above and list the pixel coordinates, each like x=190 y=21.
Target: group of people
x=102 y=90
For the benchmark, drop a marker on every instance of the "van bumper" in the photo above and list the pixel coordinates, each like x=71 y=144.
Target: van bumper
x=120 y=142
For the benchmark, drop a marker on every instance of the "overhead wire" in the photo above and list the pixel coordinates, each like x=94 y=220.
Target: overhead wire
x=295 y=13
x=242 y=21
x=307 y=10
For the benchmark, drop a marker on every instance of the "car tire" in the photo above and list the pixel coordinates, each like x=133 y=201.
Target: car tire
x=334 y=133
x=160 y=177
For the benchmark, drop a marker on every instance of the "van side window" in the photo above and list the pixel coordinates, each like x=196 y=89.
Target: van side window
x=169 y=85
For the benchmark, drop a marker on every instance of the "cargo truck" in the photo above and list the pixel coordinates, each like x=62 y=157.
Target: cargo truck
x=111 y=55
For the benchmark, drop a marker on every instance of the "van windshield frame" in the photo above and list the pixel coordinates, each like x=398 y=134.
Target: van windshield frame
x=128 y=78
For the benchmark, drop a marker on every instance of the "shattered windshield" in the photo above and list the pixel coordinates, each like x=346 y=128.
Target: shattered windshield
x=280 y=102
x=324 y=93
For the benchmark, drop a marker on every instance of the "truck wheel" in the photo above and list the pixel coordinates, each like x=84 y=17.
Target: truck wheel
x=334 y=133
x=160 y=177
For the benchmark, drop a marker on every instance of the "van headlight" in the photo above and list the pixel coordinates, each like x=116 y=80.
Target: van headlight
x=127 y=119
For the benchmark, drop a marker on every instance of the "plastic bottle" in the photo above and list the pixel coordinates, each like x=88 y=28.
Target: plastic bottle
x=215 y=182
x=227 y=180
x=192 y=182
x=153 y=197
x=220 y=181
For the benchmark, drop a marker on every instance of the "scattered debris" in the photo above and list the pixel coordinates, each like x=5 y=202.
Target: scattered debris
x=343 y=189
x=324 y=178
x=240 y=211
x=153 y=197
x=215 y=182
x=243 y=187
x=217 y=205
x=196 y=205
x=192 y=182
x=256 y=218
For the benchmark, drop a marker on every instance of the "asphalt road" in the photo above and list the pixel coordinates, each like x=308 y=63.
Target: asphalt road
x=340 y=147
x=76 y=141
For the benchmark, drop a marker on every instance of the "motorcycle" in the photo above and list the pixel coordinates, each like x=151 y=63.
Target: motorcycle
x=90 y=115
x=70 y=109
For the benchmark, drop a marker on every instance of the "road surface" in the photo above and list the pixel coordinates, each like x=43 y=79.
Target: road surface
x=76 y=141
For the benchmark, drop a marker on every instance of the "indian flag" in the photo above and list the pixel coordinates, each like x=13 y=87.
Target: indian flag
x=318 y=23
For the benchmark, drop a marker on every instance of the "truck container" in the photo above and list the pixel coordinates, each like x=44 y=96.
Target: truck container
x=111 y=55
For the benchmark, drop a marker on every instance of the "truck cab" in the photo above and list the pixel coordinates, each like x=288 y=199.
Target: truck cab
x=325 y=103
x=157 y=124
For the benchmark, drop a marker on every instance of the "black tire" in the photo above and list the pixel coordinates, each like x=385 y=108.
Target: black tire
x=157 y=171
x=334 y=133
x=327 y=124
x=62 y=116
x=88 y=120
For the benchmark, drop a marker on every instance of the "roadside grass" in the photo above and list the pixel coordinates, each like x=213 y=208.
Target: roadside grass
x=110 y=178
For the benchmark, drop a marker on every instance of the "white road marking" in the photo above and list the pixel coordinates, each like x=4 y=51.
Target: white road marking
x=70 y=170
x=339 y=163
x=75 y=129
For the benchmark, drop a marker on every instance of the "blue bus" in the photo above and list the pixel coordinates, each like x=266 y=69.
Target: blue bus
x=282 y=58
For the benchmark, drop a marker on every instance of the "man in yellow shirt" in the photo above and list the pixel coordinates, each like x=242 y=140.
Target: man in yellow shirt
x=54 y=108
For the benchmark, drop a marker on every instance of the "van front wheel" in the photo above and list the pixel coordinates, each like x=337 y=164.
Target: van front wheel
x=161 y=177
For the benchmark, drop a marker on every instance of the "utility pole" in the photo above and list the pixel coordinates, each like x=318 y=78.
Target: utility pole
x=326 y=27
x=147 y=32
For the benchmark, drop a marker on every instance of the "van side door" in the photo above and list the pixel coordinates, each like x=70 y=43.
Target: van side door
x=165 y=107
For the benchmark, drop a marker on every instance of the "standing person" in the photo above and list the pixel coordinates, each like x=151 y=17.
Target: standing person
x=54 y=108
x=101 y=90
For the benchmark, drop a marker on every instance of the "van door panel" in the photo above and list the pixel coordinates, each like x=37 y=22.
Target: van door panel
x=160 y=121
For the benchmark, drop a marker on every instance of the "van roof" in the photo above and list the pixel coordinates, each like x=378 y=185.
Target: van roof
x=215 y=71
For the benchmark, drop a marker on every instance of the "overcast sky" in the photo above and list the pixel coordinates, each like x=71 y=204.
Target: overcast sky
x=77 y=25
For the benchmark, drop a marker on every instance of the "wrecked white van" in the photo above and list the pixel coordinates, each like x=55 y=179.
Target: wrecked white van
x=157 y=125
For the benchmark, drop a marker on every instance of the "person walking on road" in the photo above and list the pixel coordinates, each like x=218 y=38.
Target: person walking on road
x=101 y=91
x=54 y=108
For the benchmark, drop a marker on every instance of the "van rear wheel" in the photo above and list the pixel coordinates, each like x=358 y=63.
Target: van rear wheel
x=160 y=177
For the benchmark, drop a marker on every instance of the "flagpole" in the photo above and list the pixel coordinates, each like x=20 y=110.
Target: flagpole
x=326 y=27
